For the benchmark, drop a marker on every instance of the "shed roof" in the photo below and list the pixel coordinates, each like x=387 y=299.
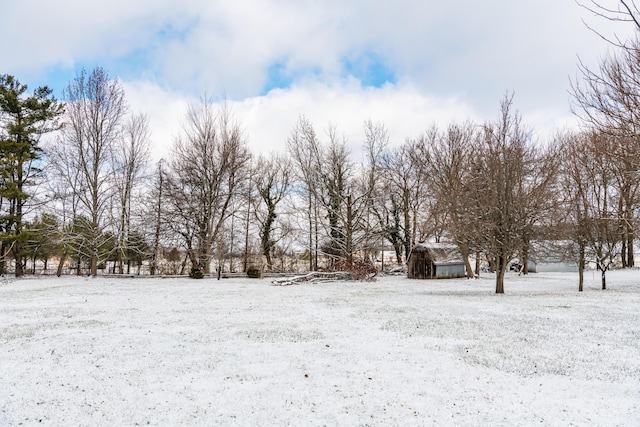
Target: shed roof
x=440 y=253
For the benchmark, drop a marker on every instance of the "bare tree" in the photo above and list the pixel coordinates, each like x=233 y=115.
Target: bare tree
x=95 y=107
x=624 y=156
x=502 y=167
x=538 y=198
x=156 y=196
x=404 y=197
x=608 y=98
x=626 y=12
x=131 y=157
x=593 y=195
x=335 y=170
x=449 y=174
x=608 y=101
x=375 y=144
x=272 y=179
x=304 y=148
x=575 y=185
x=249 y=199
x=208 y=163
x=347 y=191
x=62 y=178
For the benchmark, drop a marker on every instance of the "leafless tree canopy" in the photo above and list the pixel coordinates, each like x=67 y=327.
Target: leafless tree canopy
x=208 y=163
x=272 y=179
x=304 y=148
x=131 y=159
x=608 y=100
x=593 y=198
x=625 y=11
x=95 y=107
x=449 y=173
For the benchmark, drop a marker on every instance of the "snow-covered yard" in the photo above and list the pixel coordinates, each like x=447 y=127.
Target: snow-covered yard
x=105 y=352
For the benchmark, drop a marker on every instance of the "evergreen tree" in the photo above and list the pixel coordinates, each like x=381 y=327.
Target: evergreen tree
x=22 y=121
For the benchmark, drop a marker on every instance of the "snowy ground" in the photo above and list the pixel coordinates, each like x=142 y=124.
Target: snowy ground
x=105 y=352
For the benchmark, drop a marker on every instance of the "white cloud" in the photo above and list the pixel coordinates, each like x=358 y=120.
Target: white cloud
x=165 y=112
x=450 y=60
x=268 y=120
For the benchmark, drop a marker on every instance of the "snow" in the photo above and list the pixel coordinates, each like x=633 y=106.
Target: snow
x=152 y=351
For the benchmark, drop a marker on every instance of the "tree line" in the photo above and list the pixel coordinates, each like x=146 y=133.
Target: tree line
x=89 y=196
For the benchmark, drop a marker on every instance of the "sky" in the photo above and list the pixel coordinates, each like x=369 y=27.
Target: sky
x=407 y=64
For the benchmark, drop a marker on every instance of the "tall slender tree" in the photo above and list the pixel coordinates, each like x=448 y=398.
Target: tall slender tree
x=404 y=197
x=95 y=109
x=156 y=201
x=304 y=148
x=23 y=119
x=272 y=179
x=131 y=158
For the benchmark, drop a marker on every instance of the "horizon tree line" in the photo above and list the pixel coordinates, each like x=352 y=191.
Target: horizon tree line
x=488 y=188
x=90 y=195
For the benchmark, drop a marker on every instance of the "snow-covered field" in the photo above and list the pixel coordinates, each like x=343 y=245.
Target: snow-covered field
x=106 y=352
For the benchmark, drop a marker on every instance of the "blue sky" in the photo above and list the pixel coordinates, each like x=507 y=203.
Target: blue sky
x=407 y=63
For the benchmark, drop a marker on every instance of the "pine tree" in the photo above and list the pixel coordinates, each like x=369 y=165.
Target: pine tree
x=22 y=121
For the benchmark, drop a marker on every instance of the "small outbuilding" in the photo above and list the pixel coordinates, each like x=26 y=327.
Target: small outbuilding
x=435 y=261
x=551 y=256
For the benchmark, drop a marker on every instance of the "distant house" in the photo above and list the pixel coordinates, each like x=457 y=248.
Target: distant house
x=545 y=266
x=551 y=256
x=435 y=261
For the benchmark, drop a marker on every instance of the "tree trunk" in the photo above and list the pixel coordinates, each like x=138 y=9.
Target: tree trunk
x=120 y=262
x=267 y=255
x=3 y=262
x=183 y=265
x=317 y=238
x=581 y=264
x=349 y=233
x=604 y=279
x=492 y=264
x=407 y=228
x=17 y=256
x=630 y=252
x=63 y=258
x=156 y=236
x=467 y=265
x=500 y=271
x=245 y=261
x=94 y=264
x=311 y=252
x=524 y=268
x=397 y=246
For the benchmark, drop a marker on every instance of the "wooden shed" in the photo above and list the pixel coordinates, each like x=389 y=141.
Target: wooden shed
x=435 y=261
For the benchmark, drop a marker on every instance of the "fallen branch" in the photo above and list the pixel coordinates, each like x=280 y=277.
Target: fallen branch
x=315 y=276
